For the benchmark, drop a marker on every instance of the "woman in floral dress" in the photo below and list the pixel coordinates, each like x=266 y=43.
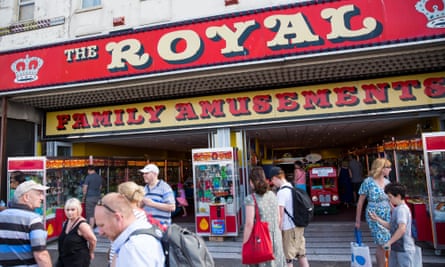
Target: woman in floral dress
x=268 y=207
x=372 y=189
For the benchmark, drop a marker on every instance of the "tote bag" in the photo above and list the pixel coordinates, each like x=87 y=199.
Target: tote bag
x=360 y=256
x=258 y=247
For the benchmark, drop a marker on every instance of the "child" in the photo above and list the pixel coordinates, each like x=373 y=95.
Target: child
x=401 y=242
x=182 y=200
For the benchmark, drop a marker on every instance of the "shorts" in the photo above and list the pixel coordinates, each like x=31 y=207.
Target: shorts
x=401 y=259
x=294 y=244
x=90 y=205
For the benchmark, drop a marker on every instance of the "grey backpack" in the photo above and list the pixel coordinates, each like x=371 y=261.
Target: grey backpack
x=182 y=248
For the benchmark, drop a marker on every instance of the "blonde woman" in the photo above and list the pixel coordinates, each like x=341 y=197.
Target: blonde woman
x=77 y=241
x=373 y=189
x=134 y=193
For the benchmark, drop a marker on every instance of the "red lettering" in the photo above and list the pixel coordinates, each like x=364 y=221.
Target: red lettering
x=406 y=88
x=154 y=113
x=241 y=109
x=132 y=117
x=119 y=113
x=101 y=119
x=320 y=99
x=286 y=102
x=62 y=120
x=185 y=111
x=215 y=109
x=380 y=91
x=434 y=87
x=345 y=97
x=80 y=121
x=261 y=104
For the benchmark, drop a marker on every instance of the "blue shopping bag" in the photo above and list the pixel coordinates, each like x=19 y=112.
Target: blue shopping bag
x=360 y=256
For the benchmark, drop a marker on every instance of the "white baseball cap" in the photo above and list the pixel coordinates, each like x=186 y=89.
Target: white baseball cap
x=150 y=168
x=28 y=186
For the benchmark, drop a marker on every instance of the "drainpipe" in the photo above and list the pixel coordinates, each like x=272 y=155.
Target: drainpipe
x=3 y=147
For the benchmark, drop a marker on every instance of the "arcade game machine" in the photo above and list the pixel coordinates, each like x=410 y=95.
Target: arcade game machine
x=323 y=186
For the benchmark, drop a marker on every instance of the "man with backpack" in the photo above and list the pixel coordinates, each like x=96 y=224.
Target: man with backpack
x=294 y=243
x=116 y=220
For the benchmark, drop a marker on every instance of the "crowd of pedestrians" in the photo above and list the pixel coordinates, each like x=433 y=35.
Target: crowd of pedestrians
x=118 y=215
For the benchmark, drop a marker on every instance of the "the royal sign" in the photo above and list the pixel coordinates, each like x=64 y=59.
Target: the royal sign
x=290 y=31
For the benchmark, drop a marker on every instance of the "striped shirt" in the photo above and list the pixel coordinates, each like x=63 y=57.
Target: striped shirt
x=161 y=193
x=21 y=233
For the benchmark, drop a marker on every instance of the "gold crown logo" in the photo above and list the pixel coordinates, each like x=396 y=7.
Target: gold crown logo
x=434 y=10
x=26 y=69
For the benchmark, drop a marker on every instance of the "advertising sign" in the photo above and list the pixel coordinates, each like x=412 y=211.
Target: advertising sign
x=295 y=30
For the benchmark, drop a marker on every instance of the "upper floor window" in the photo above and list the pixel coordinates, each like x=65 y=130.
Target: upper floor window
x=90 y=3
x=26 y=9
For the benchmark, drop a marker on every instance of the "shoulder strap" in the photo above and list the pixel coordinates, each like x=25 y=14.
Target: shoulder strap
x=146 y=231
x=257 y=210
x=285 y=210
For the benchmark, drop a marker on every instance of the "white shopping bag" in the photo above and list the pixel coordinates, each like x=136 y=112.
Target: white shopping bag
x=360 y=256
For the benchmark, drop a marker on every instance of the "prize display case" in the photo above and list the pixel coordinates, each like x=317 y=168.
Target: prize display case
x=429 y=212
x=216 y=182
x=34 y=168
x=408 y=165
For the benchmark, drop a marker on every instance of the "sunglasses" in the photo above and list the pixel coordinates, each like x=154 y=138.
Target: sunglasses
x=100 y=203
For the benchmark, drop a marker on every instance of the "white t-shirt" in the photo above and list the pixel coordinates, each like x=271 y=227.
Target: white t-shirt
x=284 y=196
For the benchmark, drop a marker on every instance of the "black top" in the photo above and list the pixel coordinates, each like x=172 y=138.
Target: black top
x=73 y=248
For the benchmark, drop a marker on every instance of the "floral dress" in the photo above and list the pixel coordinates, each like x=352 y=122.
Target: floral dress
x=378 y=202
x=268 y=207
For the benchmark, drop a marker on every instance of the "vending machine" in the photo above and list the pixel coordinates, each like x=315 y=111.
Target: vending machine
x=216 y=186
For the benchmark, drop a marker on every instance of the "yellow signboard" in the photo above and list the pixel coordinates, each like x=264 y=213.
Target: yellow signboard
x=284 y=104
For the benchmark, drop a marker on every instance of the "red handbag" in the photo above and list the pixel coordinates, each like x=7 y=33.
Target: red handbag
x=259 y=246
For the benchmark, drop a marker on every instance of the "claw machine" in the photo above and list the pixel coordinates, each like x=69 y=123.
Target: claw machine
x=429 y=213
x=34 y=168
x=216 y=184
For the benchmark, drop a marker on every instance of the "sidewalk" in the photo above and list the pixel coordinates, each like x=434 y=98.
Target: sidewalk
x=328 y=240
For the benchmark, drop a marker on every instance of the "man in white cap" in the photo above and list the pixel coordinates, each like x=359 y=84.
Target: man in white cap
x=22 y=233
x=159 y=200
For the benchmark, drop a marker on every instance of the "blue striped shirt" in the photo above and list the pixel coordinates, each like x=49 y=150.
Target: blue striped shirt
x=21 y=233
x=161 y=193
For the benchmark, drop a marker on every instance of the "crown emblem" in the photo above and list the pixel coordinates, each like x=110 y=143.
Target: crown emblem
x=434 y=10
x=26 y=69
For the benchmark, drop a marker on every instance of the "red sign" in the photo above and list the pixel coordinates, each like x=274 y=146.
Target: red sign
x=264 y=34
x=435 y=142
x=26 y=164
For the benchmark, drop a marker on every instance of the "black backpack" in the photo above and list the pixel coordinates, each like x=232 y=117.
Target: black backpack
x=182 y=248
x=303 y=208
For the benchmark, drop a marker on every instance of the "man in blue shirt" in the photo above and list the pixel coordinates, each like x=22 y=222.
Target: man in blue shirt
x=159 y=200
x=115 y=219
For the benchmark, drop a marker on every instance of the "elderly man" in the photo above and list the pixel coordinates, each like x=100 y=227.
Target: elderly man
x=115 y=219
x=159 y=200
x=22 y=233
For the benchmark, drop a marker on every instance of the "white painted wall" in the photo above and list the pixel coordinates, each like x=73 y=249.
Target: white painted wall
x=89 y=22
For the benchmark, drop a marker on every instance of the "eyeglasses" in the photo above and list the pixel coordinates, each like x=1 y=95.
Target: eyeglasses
x=100 y=203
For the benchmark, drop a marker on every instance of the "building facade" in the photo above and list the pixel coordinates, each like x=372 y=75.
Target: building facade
x=93 y=70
